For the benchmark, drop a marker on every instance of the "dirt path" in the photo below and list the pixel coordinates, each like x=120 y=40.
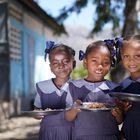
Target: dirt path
x=19 y=128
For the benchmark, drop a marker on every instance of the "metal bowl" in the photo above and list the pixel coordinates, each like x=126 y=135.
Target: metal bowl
x=126 y=96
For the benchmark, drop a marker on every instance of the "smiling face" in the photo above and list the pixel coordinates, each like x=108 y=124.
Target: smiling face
x=98 y=63
x=131 y=57
x=61 y=64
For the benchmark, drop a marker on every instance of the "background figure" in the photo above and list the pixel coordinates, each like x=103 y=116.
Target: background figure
x=53 y=94
x=130 y=54
x=98 y=58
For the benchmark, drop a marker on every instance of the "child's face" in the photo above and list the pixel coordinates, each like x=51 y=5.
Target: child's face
x=61 y=64
x=131 y=57
x=98 y=63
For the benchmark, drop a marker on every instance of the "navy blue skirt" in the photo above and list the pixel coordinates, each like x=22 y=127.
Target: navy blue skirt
x=55 y=127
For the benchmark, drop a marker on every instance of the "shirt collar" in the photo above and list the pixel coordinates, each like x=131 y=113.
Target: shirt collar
x=94 y=86
x=65 y=86
x=128 y=81
x=103 y=85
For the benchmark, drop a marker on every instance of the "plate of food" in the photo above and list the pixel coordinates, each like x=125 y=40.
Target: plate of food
x=42 y=112
x=126 y=96
x=95 y=106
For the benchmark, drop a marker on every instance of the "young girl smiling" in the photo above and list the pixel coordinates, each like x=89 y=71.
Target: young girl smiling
x=52 y=93
x=99 y=125
x=130 y=54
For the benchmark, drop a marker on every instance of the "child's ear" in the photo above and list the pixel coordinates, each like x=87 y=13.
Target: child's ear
x=50 y=67
x=121 y=56
x=74 y=64
x=84 y=63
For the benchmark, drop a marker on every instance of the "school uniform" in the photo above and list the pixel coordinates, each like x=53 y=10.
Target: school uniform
x=131 y=125
x=53 y=127
x=100 y=125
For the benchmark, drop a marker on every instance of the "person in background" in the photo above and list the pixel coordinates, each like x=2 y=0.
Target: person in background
x=52 y=93
x=130 y=54
x=95 y=125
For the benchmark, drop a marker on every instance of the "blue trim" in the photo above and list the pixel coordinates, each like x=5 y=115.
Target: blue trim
x=23 y=28
x=15 y=78
x=24 y=66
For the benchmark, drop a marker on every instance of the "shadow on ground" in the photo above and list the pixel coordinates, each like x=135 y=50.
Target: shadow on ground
x=20 y=128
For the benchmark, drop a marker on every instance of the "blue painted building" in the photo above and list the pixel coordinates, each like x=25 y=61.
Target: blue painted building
x=24 y=29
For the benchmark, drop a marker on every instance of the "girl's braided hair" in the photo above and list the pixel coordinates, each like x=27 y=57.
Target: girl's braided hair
x=109 y=44
x=51 y=47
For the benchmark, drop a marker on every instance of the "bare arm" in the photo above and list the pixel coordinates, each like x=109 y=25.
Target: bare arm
x=71 y=114
x=118 y=114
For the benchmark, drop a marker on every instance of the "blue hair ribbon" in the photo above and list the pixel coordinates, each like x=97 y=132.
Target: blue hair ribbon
x=119 y=42
x=112 y=45
x=109 y=42
x=49 y=45
x=81 y=55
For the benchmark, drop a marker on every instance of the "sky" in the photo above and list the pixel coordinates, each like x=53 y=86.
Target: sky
x=85 y=18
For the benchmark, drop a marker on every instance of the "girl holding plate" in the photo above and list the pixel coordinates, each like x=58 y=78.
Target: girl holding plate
x=53 y=94
x=95 y=125
x=130 y=54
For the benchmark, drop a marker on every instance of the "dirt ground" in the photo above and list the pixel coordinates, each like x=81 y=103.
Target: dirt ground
x=19 y=128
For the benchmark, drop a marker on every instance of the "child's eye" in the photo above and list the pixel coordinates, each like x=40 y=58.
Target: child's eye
x=94 y=61
x=66 y=61
x=107 y=62
x=137 y=57
x=54 y=63
x=125 y=56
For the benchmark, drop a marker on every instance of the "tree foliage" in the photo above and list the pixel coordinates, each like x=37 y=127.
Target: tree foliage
x=106 y=12
x=79 y=73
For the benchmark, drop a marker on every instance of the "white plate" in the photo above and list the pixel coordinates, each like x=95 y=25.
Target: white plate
x=42 y=113
x=85 y=107
x=96 y=110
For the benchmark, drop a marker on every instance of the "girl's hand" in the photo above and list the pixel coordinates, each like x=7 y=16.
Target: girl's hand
x=127 y=106
x=118 y=114
x=78 y=102
x=124 y=105
x=71 y=114
x=38 y=117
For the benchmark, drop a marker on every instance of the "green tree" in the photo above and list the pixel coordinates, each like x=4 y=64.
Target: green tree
x=79 y=73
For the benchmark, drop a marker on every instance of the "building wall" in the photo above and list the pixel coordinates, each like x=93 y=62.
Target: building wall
x=33 y=23
x=27 y=37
